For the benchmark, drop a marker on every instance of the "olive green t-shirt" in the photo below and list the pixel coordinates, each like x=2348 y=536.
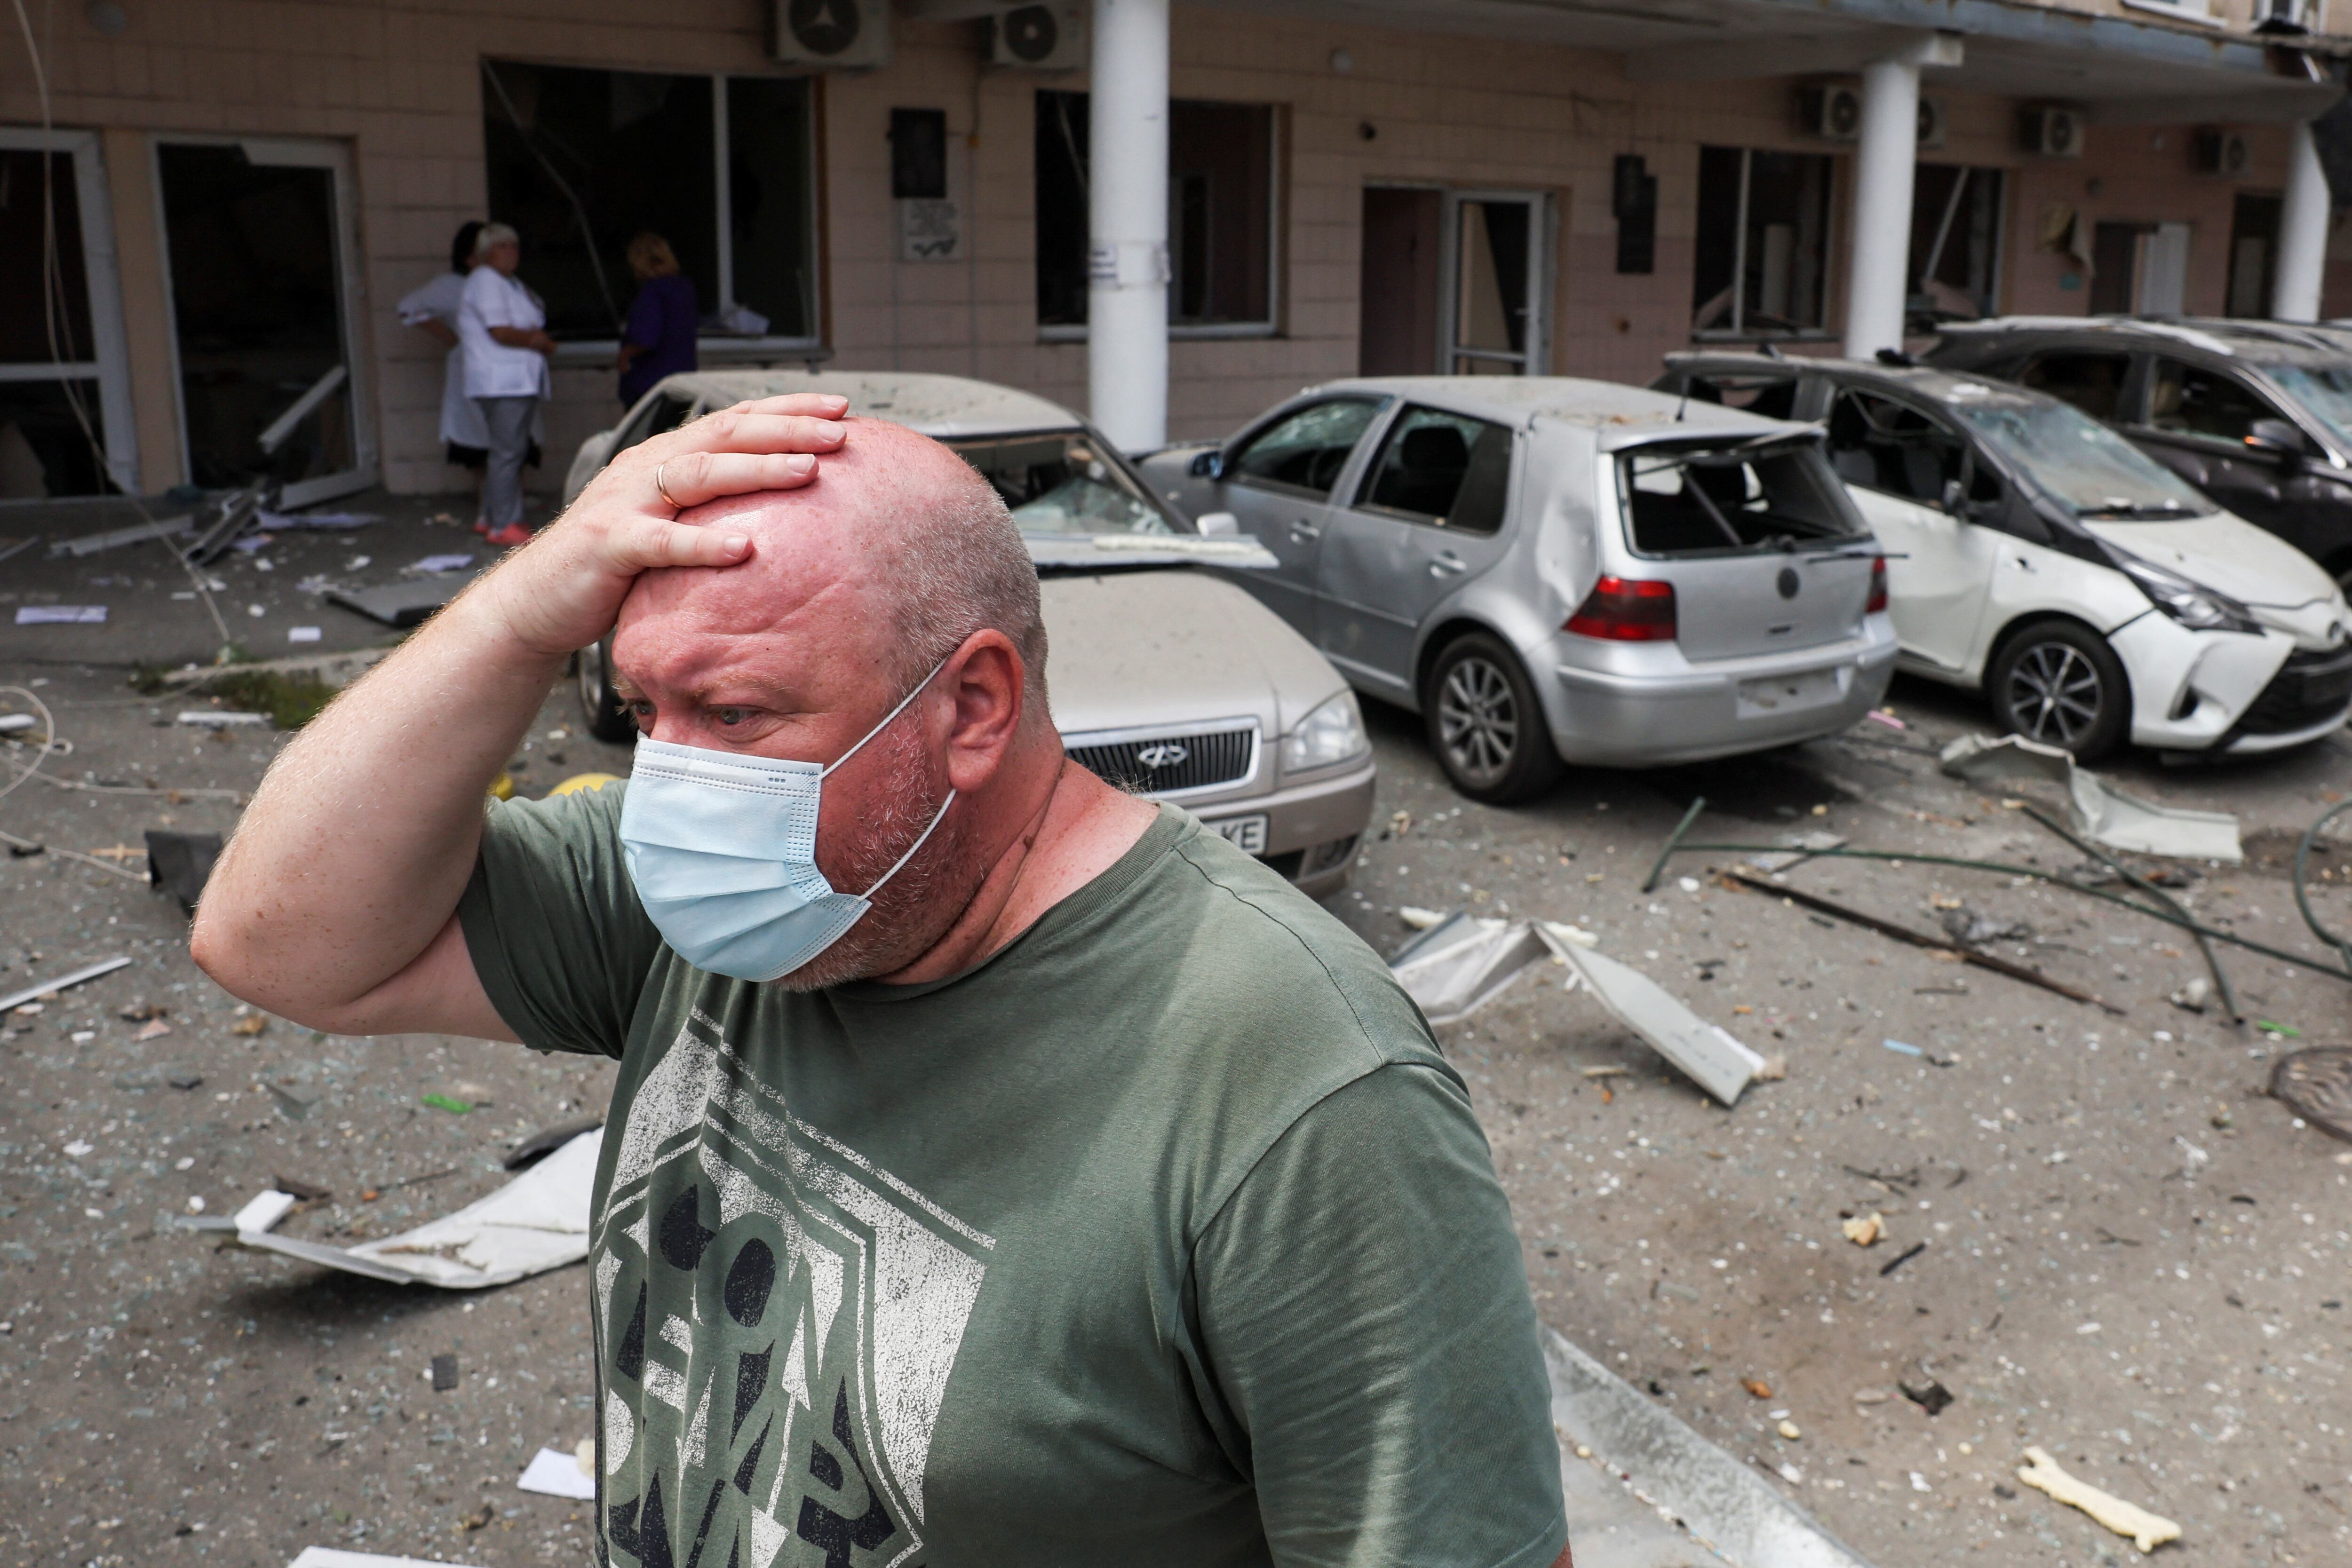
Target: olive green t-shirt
x=1165 y=1235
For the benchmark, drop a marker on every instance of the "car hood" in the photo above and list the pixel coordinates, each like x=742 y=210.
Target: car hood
x=2284 y=587
x=1135 y=648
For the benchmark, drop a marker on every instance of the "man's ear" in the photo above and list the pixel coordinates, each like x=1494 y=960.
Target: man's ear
x=984 y=680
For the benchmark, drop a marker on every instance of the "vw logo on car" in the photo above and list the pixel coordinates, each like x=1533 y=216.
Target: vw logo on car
x=1165 y=754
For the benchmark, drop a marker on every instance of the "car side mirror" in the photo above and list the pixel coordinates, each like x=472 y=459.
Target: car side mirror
x=1218 y=525
x=2275 y=438
x=1957 y=502
x=1209 y=464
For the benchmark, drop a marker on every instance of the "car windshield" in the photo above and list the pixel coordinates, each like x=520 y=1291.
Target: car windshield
x=2080 y=462
x=1063 y=482
x=2325 y=392
x=1719 y=498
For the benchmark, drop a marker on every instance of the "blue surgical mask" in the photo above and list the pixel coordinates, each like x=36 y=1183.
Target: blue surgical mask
x=723 y=849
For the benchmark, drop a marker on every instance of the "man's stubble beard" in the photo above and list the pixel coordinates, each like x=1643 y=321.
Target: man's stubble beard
x=917 y=907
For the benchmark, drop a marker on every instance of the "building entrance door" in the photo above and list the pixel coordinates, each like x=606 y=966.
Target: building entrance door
x=1494 y=285
x=64 y=382
x=265 y=299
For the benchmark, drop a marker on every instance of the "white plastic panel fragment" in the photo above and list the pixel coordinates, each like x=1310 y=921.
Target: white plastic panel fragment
x=1709 y=1055
x=2101 y=812
x=536 y=1222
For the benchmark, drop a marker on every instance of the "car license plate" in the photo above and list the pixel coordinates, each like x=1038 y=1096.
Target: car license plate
x=1246 y=833
x=1788 y=694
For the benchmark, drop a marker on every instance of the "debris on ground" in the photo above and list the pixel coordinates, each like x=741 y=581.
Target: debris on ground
x=1865 y=1229
x=2192 y=997
x=334 y=1557
x=1970 y=929
x=137 y=533
x=448 y=1102
x=61 y=615
x=1801 y=847
x=181 y=864
x=43 y=989
x=2148 y=1530
x=2316 y=1085
x=536 y=1146
x=2100 y=811
x=224 y=718
x=400 y=604
x=554 y=1473
x=536 y=1222
x=1934 y=1397
x=1709 y=1055
x=443 y=1371
x=1900 y=1258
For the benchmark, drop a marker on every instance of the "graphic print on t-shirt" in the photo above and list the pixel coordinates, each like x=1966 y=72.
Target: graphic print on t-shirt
x=775 y=1322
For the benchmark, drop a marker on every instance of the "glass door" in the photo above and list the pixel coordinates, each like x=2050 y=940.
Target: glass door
x=1497 y=245
x=264 y=294
x=65 y=387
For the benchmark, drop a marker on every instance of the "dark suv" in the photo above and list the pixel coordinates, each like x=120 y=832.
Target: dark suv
x=2257 y=414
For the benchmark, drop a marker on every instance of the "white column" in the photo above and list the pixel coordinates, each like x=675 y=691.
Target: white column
x=1126 y=260
x=1883 y=166
x=2303 y=233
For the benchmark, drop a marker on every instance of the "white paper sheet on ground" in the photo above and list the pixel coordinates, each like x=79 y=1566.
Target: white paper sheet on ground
x=329 y=1557
x=558 y=1475
x=536 y=1222
x=2101 y=812
x=1713 y=1060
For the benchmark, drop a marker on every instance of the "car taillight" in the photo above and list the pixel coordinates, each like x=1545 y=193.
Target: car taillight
x=1626 y=609
x=1877 y=600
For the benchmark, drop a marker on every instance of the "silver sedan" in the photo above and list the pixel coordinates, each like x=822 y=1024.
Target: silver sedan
x=1558 y=571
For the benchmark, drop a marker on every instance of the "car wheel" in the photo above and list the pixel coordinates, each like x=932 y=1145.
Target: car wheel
x=2059 y=683
x=607 y=716
x=1486 y=725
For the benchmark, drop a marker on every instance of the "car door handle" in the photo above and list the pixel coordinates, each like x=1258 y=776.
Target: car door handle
x=1302 y=530
x=1447 y=564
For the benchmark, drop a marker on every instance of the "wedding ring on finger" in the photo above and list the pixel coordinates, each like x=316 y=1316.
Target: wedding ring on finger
x=663 y=490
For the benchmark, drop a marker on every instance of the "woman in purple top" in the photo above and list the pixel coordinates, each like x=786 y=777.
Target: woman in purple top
x=659 y=340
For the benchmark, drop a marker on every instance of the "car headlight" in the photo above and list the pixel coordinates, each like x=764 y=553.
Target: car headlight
x=1332 y=734
x=2192 y=604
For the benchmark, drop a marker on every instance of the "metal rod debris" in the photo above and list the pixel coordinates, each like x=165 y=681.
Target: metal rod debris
x=87 y=972
x=1920 y=939
x=1699 y=804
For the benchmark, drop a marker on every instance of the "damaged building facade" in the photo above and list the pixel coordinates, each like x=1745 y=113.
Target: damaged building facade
x=1172 y=215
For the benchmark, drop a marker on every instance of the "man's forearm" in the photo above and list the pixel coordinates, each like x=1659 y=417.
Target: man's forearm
x=358 y=844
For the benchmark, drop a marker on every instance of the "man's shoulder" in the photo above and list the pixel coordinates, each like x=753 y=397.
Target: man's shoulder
x=1282 y=970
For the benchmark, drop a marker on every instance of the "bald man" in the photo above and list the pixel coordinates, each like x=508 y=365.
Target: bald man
x=1001 y=1170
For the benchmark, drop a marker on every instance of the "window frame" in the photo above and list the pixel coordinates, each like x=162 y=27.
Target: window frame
x=1276 y=193
x=1390 y=432
x=1737 y=331
x=1941 y=423
x=2219 y=445
x=721 y=348
x=109 y=364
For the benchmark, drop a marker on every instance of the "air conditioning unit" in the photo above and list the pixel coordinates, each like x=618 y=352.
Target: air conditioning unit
x=1050 y=37
x=2051 y=132
x=1931 y=123
x=833 y=35
x=1831 y=110
x=2221 y=152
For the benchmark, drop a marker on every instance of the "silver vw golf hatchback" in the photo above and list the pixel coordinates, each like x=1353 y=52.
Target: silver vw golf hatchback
x=1555 y=571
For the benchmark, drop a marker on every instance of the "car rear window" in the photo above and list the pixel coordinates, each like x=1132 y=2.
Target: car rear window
x=1718 y=498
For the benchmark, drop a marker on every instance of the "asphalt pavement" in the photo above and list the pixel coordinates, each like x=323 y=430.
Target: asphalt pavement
x=2097 y=1235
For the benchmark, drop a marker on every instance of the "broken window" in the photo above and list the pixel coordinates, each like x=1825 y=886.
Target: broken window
x=1763 y=241
x=48 y=363
x=582 y=161
x=1716 y=499
x=1443 y=468
x=1305 y=451
x=1063 y=482
x=1220 y=211
x=1954 y=244
x=2092 y=381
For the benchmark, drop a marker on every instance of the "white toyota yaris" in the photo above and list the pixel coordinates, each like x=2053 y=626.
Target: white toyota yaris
x=2090 y=593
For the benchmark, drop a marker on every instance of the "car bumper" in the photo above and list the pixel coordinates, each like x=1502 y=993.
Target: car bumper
x=1312 y=830
x=2228 y=693
x=1674 y=711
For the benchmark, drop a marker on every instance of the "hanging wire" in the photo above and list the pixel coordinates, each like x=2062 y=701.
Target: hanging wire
x=579 y=210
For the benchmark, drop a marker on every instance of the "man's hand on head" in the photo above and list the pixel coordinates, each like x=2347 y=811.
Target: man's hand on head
x=561 y=593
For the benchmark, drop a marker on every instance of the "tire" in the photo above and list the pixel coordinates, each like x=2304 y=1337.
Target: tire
x=1484 y=724
x=2058 y=681
x=601 y=707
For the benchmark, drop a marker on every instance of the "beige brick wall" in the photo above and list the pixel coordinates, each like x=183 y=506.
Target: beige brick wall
x=397 y=82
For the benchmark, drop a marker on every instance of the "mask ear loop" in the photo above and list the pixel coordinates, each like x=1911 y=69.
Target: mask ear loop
x=941 y=816
x=886 y=718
